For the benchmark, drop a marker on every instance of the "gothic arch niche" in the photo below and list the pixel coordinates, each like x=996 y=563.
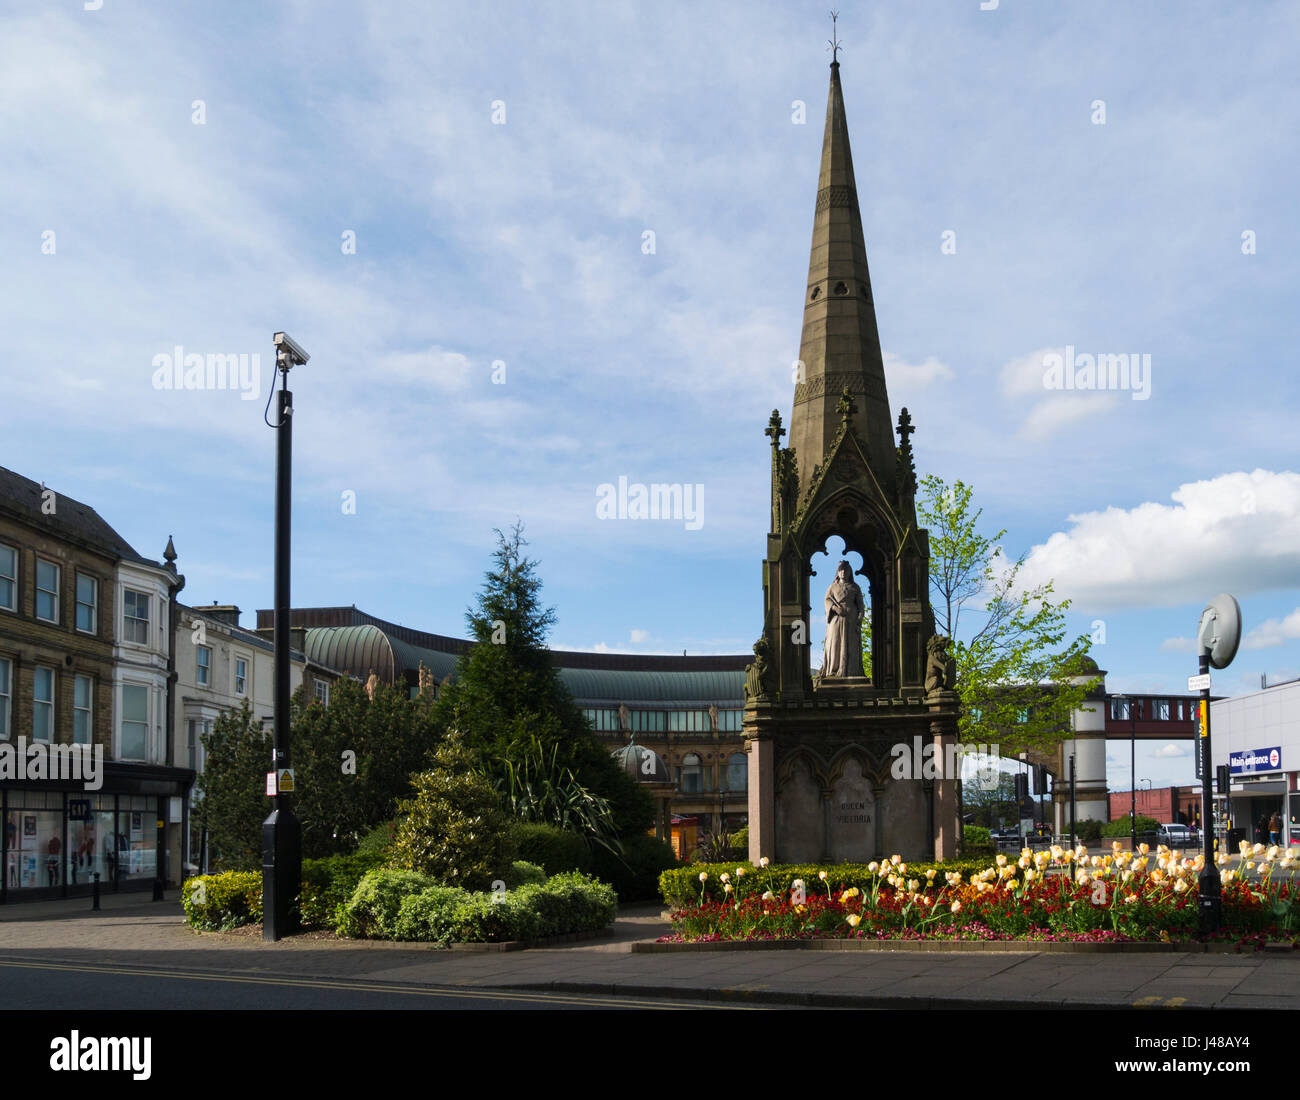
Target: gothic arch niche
x=825 y=568
x=852 y=524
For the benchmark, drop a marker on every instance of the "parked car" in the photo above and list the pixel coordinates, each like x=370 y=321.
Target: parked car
x=1176 y=836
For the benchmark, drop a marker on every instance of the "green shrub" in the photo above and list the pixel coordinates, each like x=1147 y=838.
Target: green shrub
x=428 y=915
x=740 y=838
x=553 y=849
x=635 y=874
x=217 y=903
x=1088 y=832
x=680 y=886
x=372 y=911
x=454 y=830
x=1120 y=826
x=379 y=841
x=976 y=836
x=399 y=908
x=523 y=873
x=329 y=883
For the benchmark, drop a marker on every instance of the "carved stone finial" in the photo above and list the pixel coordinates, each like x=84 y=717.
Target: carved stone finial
x=774 y=430
x=906 y=466
x=169 y=555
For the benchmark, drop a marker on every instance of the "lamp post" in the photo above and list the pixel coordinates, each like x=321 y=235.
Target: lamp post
x=281 y=832
x=1130 y=703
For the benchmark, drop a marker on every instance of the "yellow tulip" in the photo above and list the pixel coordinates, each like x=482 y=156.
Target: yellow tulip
x=704 y=875
x=853 y=920
x=955 y=907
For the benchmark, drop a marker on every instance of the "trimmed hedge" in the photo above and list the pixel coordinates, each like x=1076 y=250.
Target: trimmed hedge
x=373 y=909
x=635 y=874
x=217 y=903
x=553 y=849
x=681 y=886
x=396 y=905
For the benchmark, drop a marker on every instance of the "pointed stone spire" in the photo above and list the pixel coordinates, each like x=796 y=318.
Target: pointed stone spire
x=169 y=555
x=841 y=344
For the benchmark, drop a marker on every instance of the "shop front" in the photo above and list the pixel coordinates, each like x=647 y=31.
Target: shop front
x=58 y=838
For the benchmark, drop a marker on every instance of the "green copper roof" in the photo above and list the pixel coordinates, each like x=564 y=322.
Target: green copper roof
x=359 y=649
x=601 y=686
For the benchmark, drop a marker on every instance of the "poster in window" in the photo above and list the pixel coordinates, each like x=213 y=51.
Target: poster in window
x=135 y=862
x=29 y=826
x=136 y=825
x=29 y=870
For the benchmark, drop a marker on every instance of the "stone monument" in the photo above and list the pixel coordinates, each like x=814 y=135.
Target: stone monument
x=820 y=784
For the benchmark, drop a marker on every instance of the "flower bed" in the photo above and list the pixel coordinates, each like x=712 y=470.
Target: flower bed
x=1054 y=895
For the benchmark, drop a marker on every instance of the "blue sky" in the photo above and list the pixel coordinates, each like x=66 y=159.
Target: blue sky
x=522 y=242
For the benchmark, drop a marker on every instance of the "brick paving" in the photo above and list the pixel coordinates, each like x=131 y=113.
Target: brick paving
x=129 y=931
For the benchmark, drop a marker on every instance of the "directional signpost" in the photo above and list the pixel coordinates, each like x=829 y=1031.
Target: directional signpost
x=1217 y=638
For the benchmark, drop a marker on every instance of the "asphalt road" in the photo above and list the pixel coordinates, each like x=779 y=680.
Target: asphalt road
x=50 y=984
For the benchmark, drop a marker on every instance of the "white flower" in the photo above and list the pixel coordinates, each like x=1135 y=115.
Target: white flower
x=704 y=876
x=955 y=907
x=769 y=896
x=821 y=875
x=763 y=861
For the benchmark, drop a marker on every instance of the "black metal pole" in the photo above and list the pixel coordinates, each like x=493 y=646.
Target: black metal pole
x=281 y=834
x=1074 y=837
x=1209 y=883
x=1132 y=775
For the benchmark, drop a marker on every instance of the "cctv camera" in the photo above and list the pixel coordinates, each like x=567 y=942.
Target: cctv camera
x=290 y=349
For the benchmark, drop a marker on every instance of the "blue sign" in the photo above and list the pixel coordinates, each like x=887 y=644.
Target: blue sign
x=78 y=809
x=1249 y=761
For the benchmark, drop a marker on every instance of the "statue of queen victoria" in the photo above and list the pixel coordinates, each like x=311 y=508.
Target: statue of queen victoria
x=844 y=611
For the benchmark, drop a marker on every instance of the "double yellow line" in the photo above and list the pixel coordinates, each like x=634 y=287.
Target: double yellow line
x=527 y=997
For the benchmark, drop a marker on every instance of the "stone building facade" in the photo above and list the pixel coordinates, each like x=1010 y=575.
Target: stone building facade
x=83 y=686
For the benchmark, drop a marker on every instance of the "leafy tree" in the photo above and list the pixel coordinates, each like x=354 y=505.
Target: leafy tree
x=453 y=829
x=354 y=760
x=510 y=703
x=1015 y=661
x=232 y=789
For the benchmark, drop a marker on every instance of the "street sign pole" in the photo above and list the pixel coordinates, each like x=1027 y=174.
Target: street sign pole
x=1209 y=882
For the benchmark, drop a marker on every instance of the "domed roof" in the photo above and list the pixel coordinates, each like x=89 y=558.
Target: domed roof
x=642 y=764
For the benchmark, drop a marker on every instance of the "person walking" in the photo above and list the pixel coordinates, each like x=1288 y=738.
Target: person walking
x=1274 y=828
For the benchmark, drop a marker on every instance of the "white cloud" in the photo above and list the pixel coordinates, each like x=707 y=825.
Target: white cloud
x=443 y=369
x=1273 y=632
x=915 y=375
x=1170 y=750
x=1236 y=532
x=1024 y=378
x=639 y=636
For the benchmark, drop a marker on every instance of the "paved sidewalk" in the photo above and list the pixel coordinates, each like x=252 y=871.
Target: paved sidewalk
x=136 y=932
